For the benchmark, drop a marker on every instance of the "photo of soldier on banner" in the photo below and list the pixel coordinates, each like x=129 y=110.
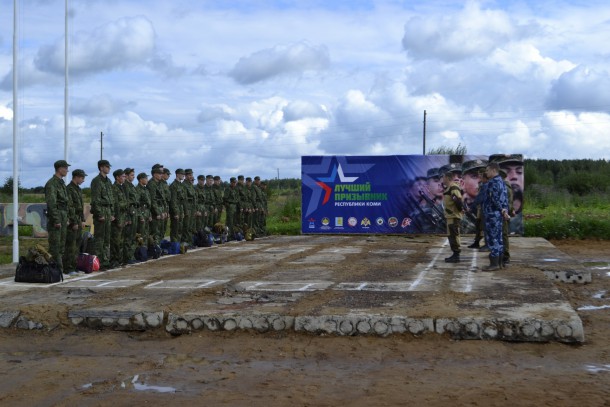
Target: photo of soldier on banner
x=399 y=194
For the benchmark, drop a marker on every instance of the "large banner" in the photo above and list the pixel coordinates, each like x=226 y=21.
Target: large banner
x=394 y=194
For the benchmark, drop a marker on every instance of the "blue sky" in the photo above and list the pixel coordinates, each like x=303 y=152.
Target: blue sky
x=248 y=87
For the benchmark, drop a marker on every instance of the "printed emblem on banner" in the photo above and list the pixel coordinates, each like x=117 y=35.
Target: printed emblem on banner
x=325 y=221
x=352 y=221
x=312 y=223
x=339 y=221
x=365 y=223
x=379 y=221
x=406 y=222
x=393 y=222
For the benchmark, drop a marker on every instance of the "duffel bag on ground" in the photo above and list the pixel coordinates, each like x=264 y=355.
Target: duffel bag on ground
x=33 y=272
x=141 y=253
x=87 y=263
x=154 y=251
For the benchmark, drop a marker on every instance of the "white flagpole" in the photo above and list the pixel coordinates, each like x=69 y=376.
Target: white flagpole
x=15 y=142
x=66 y=115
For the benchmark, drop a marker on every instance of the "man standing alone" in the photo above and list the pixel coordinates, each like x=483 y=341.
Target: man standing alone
x=56 y=198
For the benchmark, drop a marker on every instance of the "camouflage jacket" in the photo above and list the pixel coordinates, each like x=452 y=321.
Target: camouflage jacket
x=76 y=208
x=102 y=195
x=143 y=201
x=121 y=206
x=56 y=198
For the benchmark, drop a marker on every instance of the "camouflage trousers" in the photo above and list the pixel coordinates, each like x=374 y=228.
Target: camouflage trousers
x=57 y=239
x=493 y=230
x=102 y=231
x=116 y=245
x=231 y=210
x=73 y=238
x=453 y=230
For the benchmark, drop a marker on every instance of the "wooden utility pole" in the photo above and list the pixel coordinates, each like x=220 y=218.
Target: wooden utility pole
x=424 y=132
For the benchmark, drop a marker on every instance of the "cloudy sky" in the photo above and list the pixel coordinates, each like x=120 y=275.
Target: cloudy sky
x=249 y=86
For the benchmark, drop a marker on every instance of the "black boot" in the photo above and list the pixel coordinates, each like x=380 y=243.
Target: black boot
x=494 y=264
x=455 y=258
x=475 y=245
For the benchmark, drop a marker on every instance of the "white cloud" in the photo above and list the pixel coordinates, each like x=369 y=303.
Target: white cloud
x=581 y=89
x=280 y=60
x=119 y=44
x=469 y=33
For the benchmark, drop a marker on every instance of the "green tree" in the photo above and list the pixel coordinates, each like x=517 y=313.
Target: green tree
x=7 y=188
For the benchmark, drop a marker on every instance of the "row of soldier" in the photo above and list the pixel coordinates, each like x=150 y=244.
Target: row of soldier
x=127 y=215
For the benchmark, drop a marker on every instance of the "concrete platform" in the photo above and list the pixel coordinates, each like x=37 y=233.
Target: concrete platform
x=339 y=285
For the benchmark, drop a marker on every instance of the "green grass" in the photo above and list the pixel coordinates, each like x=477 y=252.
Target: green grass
x=569 y=223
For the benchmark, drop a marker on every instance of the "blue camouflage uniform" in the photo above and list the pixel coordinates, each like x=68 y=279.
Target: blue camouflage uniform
x=495 y=200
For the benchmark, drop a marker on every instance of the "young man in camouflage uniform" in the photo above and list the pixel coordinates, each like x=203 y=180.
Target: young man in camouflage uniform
x=495 y=207
x=166 y=198
x=209 y=199
x=217 y=190
x=143 y=218
x=157 y=206
x=176 y=206
x=56 y=198
x=257 y=194
x=129 y=232
x=231 y=199
x=102 y=209
x=121 y=208
x=202 y=213
x=265 y=210
x=452 y=202
x=190 y=208
x=76 y=219
x=240 y=217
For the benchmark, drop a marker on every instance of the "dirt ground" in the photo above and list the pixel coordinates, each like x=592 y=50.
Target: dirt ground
x=76 y=367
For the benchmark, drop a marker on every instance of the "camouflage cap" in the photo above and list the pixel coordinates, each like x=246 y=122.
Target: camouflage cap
x=473 y=165
x=506 y=158
x=188 y=171
x=103 y=163
x=79 y=173
x=216 y=177
x=61 y=164
x=179 y=171
x=248 y=179
x=257 y=178
x=433 y=173
x=209 y=176
x=240 y=177
x=128 y=170
x=166 y=171
x=158 y=170
x=450 y=168
x=142 y=175
x=155 y=166
x=118 y=173
x=200 y=177
x=233 y=179
x=503 y=172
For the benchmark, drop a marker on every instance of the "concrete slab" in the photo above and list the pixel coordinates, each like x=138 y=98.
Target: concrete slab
x=341 y=285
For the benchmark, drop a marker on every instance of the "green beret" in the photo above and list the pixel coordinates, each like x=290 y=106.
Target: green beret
x=79 y=173
x=60 y=164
